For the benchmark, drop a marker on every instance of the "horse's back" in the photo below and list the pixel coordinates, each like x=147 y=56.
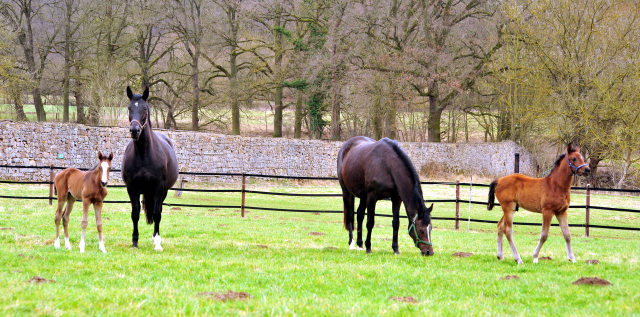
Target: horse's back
x=363 y=164
x=527 y=192
x=172 y=161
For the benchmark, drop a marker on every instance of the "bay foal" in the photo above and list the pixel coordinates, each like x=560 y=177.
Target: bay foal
x=91 y=187
x=549 y=195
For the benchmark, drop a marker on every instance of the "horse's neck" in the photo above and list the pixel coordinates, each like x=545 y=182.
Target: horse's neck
x=562 y=176
x=411 y=206
x=146 y=140
x=94 y=175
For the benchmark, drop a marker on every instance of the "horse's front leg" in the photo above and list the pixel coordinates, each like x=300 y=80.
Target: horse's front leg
x=157 y=216
x=395 y=211
x=135 y=216
x=371 y=213
x=361 y=209
x=547 y=215
x=97 y=208
x=86 y=202
x=507 y=224
x=564 y=226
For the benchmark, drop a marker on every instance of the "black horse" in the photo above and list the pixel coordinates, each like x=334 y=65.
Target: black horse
x=372 y=171
x=149 y=166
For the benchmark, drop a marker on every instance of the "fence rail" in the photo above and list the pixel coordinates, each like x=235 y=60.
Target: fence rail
x=587 y=207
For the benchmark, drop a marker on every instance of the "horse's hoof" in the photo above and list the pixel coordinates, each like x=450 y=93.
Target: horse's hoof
x=158 y=248
x=535 y=260
x=352 y=246
x=519 y=261
x=369 y=251
x=396 y=252
x=81 y=246
x=572 y=260
x=134 y=245
x=500 y=258
x=56 y=244
x=360 y=248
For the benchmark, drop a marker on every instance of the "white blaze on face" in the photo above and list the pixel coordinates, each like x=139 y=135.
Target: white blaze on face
x=105 y=169
x=136 y=104
x=429 y=233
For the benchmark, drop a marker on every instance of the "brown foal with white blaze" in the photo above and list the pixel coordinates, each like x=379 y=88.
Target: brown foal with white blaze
x=91 y=187
x=549 y=195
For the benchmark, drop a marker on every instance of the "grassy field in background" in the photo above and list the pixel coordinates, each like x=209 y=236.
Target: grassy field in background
x=298 y=263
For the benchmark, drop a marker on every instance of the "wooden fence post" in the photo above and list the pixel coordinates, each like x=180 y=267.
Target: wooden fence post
x=457 y=204
x=586 y=226
x=243 y=187
x=51 y=184
x=516 y=163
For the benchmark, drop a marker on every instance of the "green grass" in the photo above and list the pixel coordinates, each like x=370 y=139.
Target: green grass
x=215 y=250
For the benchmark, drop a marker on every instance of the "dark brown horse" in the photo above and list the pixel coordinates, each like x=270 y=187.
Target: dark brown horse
x=549 y=195
x=372 y=171
x=149 y=167
x=90 y=187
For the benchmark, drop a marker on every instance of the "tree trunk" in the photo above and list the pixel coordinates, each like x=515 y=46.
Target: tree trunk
x=20 y=115
x=277 y=116
x=79 y=99
x=37 y=102
x=67 y=61
x=433 y=123
x=297 y=131
x=196 y=92
x=335 y=109
x=233 y=71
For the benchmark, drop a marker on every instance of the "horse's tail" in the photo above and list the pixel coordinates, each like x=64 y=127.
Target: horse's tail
x=147 y=214
x=492 y=194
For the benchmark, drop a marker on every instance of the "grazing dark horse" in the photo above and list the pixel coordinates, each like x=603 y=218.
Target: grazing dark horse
x=372 y=171
x=149 y=167
x=549 y=195
x=90 y=187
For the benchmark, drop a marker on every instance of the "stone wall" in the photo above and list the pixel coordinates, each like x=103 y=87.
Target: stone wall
x=43 y=144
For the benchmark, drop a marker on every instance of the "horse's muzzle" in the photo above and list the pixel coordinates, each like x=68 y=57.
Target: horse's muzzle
x=427 y=253
x=135 y=131
x=103 y=183
x=585 y=171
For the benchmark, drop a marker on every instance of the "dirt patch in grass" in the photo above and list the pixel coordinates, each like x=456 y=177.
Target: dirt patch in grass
x=6 y=228
x=592 y=261
x=591 y=281
x=510 y=277
x=316 y=213
x=546 y=258
x=262 y=246
x=39 y=280
x=16 y=271
x=223 y=225
x=330 y=248
x=462 y=254
x=313 y=233
x=175 y=208
x=245 y=212
x=228 y=295
x=406 y=299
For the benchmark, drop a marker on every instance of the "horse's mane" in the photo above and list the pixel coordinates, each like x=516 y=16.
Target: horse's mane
x=93 y=168
x=417 y=199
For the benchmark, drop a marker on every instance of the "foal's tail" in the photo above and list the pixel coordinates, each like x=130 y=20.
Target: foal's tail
x=492 y=194
x=348 y=220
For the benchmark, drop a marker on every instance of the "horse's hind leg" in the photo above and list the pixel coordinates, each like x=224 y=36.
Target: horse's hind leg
x=135 y=216
x=361 y=209
x=158 y=198
x=97 y=209
x=508 y=229
x=65 y=220
x=564 y=226
x=58 y=218
x=546 y=223
x=395 y=211
x=371 y=213
x=85 y=221
x=500 y=238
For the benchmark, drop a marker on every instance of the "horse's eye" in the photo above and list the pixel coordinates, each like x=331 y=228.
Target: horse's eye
x=573 y=159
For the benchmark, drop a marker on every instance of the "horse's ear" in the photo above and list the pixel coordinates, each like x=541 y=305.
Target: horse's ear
x=129 y=93
x=145 y=94
x=111 y=156
x=571 y=148
x=100 y=155
x=427 y=212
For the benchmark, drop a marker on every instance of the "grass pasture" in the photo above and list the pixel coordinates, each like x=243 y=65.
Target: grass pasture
x=299 y=264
